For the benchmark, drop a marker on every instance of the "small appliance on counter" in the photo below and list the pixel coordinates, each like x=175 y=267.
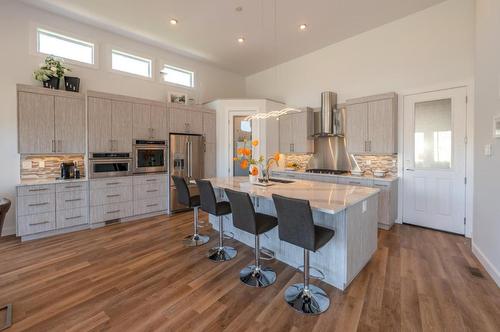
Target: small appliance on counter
x=69 y=170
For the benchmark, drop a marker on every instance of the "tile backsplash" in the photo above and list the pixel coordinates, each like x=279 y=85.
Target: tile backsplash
x=368 y=163
x=47 y=167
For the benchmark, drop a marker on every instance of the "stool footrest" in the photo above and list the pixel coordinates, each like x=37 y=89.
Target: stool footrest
x=228 y=235
x=314 y=272
x=267 y=254
x=8 y=316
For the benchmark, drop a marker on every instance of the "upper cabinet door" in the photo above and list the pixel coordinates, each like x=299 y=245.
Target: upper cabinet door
x=121 y=126
x=302 y=130
x=99 y=125
x=69 y=125
x=210 y=162
x=159 y=123
x=178 y=120
x=356 y=128
x=286 y=133
x=142 y=121
x=36 y=123
x=195 y=122
x=209 y=127
x=382 y=121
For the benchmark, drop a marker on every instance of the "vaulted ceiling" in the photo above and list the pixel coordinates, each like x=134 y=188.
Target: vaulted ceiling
x=208 y=29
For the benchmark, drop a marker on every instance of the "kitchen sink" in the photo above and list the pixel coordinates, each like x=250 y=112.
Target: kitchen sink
x=280 y=180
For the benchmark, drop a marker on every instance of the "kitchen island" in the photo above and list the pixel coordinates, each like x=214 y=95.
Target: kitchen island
x=350 y=210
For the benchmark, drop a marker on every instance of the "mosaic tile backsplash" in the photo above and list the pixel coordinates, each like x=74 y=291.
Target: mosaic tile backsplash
x=368 y=163
x=47 y=167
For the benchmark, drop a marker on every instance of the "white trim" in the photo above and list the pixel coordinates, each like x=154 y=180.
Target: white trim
x=469 y=201
x=131 y=54
x=239 y=111
x=488 y=266
x=33 y=44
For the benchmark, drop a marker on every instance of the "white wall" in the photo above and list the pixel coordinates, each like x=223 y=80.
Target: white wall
x=419 y=51
x=18 y=64
x=486 y=232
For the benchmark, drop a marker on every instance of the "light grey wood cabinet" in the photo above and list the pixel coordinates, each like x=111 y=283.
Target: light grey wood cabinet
x=295 y=132
x=99 y=124
x=185 y=120
x=50 y=121
x=371 y=124
x=69 y=125
x=149 y=121
x=195 y=122
x=110 y=199
x=210 y=166
x=121 y=126
x=209 y=127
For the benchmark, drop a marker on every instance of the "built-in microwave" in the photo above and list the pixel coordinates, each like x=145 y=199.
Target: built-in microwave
x=150 y=156
x=104 y=165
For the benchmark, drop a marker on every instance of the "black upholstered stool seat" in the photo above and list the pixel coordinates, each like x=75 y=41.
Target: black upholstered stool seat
x=296 y=226
x=245 y=218
x=184 y=197
x=4 y=208
x=210 y=205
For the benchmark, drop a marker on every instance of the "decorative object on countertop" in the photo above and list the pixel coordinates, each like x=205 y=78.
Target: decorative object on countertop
x=379 y=173
x=4 y=208
x=355 y=170
x=72 y=83
x=47 y=167
x=50 y=72
x=177 y=98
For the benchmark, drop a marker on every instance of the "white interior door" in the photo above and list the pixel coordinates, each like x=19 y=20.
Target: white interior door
x=434 y=160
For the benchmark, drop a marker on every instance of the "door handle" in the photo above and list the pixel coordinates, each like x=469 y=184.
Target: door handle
x=410 y=170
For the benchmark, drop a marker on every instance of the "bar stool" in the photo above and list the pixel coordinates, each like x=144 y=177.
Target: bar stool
x=209 y=204
x=4 y=208
x=245 y=218
x=185 y=198
x=296 y=226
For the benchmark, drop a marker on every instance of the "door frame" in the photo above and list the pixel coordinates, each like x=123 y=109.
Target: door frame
x=239 y=111
x=469 y=149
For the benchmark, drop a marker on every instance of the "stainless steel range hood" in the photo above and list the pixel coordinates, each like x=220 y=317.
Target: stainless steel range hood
x=329 y=143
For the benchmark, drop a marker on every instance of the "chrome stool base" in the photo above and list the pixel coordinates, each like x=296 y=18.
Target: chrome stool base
x=313 y=301
x=253 y=277
x=222 y=254
x=195 y=240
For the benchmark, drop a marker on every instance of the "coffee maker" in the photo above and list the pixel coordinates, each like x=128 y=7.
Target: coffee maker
x=69 y=170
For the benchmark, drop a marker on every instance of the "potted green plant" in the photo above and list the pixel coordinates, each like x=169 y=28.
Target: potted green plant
x=50 y=72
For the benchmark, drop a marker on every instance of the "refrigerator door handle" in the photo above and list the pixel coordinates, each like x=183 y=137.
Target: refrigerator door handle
x=190 y=159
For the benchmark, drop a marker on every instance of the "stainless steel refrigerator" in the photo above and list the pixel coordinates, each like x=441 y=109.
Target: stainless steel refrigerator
x=186 y=160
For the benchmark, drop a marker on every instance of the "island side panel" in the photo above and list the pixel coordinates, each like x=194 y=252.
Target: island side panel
x=362 y=228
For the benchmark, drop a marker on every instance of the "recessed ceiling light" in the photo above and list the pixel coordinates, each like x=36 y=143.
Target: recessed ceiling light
x=173 y=21
x=241 y=40
x=303 y=27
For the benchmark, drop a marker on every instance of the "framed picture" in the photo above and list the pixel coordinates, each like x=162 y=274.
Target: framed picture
x=496 y=126
x=177 y=97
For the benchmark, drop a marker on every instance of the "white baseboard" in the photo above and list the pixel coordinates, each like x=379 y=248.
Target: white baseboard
x=494 y=273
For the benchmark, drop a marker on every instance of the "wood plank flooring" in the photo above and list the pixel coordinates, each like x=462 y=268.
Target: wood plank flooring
x=137 y=276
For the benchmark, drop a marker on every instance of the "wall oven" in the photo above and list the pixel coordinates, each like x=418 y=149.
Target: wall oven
x=150 y=156
x=103 y=165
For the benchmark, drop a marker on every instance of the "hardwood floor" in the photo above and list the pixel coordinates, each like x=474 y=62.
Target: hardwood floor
x=138 y=277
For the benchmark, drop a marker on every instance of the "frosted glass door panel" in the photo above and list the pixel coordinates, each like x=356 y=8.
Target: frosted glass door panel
x=433 y=134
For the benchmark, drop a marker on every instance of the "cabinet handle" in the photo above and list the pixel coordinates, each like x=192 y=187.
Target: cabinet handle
x=73 y=200
x=379 y=185
x=151 y=205
x=39 y=223
x=40 y=189
x=71 y=218
x=114 y=195
x=53 y=145
x=369 y=146
x=151 y=180
x=151 y=191
x=38 y=204
x=354 y=182
x=59 y=145
x=72 y=187
x=111 y=212
x=112 y=183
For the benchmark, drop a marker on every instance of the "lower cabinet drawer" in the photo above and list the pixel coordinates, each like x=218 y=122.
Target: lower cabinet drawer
x=110 y=195
x=150 y=205
x=71 y=200
x=355 y=182
x=73 y=217
x=36 y=223
x=144 y=191
x=107 y=212
x=36 y=204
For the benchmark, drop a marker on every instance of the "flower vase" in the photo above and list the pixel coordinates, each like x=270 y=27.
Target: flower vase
x=253 y=174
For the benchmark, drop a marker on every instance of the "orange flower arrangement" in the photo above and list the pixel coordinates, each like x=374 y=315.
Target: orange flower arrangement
x=246 y=160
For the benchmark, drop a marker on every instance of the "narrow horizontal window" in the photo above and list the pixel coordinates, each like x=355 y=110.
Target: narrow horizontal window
x=131 y=64
x=178 y=76
x=64 y=47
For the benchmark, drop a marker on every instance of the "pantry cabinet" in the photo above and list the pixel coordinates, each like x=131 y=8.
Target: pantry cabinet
x=50 y=121
x=371 y=124
x=295 y=132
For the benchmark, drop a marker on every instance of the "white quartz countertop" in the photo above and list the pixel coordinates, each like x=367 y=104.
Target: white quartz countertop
x=367 y=176
x=35 y=182
x=329 y=198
